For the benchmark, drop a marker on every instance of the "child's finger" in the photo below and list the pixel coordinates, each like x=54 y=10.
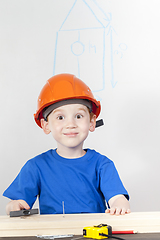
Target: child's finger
x=123 y=211
x=107 y=210
x=112 y=211
x=128 y=211
x=118 y=211
x=23 y=204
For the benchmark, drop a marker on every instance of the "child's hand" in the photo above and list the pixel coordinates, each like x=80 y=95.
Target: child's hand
x=16 y=205
x=118 y=205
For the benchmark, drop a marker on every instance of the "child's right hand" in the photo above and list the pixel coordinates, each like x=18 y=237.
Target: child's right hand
x=16 y=205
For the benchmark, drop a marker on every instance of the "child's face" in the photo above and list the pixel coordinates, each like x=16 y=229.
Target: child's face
x=70 y=125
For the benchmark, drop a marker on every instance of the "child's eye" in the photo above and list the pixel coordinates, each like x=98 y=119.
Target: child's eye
x=60 y=117
x=78 y=116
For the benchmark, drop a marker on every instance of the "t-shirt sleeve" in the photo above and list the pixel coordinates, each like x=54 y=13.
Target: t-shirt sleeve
x=110 y=182
x=25 y=186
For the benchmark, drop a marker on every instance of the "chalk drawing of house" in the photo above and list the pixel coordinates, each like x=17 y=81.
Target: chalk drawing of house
x=81 y=44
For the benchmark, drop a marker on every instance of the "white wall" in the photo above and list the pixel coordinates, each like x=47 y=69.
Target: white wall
x=113 y=45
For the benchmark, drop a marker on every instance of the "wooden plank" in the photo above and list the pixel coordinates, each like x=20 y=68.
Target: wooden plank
x=142 y=222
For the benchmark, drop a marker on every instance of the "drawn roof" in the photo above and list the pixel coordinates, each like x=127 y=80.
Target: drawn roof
x=85 y=14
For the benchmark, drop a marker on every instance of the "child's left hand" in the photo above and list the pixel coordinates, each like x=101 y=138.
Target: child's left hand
x=119 y=205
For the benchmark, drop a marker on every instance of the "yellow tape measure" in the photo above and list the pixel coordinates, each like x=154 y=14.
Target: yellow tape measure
x=96 y=231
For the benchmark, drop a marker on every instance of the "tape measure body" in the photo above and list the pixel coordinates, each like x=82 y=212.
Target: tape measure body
x=94 y=232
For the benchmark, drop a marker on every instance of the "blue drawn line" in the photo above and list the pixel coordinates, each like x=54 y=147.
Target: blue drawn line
x=104 y=35
x=110 y=14
x=81 y=51
x=89 y=9
x=93 y=13
x=78 y=67
x=111 y=28
x=55 y=54
x=107 y=19
x=103 y=63
x=79 y=29
x=92 y=46
x=78 y=36
x=112 y=72
x=68 y=14
x=118 y=53
x=107 y=25
x=123 y=46
x=77 y=48
x=81 y=47
x=112 y=76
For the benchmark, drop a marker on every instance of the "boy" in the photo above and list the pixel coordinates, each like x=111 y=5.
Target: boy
x=69 y=177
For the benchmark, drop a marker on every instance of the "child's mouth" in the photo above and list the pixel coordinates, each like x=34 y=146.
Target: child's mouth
x=71 y=134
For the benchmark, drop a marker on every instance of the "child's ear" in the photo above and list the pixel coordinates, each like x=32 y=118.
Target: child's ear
x=92 y=124
x=45 y=126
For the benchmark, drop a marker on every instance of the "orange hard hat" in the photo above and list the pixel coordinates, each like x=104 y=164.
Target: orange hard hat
x=63 y=87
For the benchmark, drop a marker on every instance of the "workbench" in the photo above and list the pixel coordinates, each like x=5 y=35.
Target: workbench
x=146 y=224
x=140 y=236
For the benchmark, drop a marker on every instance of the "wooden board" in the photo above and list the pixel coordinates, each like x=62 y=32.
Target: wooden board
x=143 y=222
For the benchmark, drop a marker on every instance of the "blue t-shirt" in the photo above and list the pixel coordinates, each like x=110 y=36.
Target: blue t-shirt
x=82 y=184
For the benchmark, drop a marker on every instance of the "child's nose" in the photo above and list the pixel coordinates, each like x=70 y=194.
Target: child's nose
x=71 y=123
